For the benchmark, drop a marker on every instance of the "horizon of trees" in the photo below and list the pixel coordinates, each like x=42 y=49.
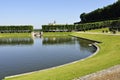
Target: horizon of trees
x=110 y=12
x=111 y=24
x=16 y=29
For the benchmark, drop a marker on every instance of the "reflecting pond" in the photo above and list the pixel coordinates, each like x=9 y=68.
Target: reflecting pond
x=21 y=55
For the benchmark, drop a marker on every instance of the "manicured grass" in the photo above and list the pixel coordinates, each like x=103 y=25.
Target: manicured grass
x=15 y=35
x=50 y=34
x=99 y=30
x=109 y=55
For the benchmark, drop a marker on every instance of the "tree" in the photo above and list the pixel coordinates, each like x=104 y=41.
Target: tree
x=82 y=17
x=110 y=12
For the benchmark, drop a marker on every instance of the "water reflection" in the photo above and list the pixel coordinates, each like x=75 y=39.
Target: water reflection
x=16 y=41
x=40 y=53
x=68 y=40
x=85 y=45
x=58 y=40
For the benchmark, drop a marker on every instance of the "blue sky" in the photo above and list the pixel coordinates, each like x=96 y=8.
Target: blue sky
x=39 y=12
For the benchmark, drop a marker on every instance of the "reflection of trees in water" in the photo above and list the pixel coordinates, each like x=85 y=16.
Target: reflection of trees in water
x=84 y=45
x=84 y=42
x=58 y=40
x=16 y=41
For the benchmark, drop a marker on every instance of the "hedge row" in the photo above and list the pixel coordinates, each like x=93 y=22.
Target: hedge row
x=57 y=28
x=16 y=29
x=112 y=24
x=115 y=25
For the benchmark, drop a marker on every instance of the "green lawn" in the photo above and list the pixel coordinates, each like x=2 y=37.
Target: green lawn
x=50 y=34
x=99 y=30
x=14 y=35
x=109 y=55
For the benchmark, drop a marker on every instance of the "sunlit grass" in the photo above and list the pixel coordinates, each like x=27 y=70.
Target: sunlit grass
x=56 y=33
x=14 y=35
x=99 y=30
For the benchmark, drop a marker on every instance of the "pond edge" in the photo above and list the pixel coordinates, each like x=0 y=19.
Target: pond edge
x=67 y=64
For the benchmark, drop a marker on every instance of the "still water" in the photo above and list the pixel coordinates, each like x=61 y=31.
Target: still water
x=21 y=55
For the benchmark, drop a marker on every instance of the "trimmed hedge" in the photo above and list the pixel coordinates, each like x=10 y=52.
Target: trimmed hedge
x=115 y=26
x=112 y=24
x=57 y=28
x=16 y=29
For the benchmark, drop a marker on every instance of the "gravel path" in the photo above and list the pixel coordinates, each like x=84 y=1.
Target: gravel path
x=112 y=73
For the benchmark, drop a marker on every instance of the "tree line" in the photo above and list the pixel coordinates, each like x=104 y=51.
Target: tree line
x=115 y=25
x=57 y=28
x=111 y=12
x=16 y=29
x=111 y=24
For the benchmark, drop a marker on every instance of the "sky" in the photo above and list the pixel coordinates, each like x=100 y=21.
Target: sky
x=42 y=12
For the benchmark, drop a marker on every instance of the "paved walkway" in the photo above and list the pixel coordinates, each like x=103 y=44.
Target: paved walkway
x=112 y=73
